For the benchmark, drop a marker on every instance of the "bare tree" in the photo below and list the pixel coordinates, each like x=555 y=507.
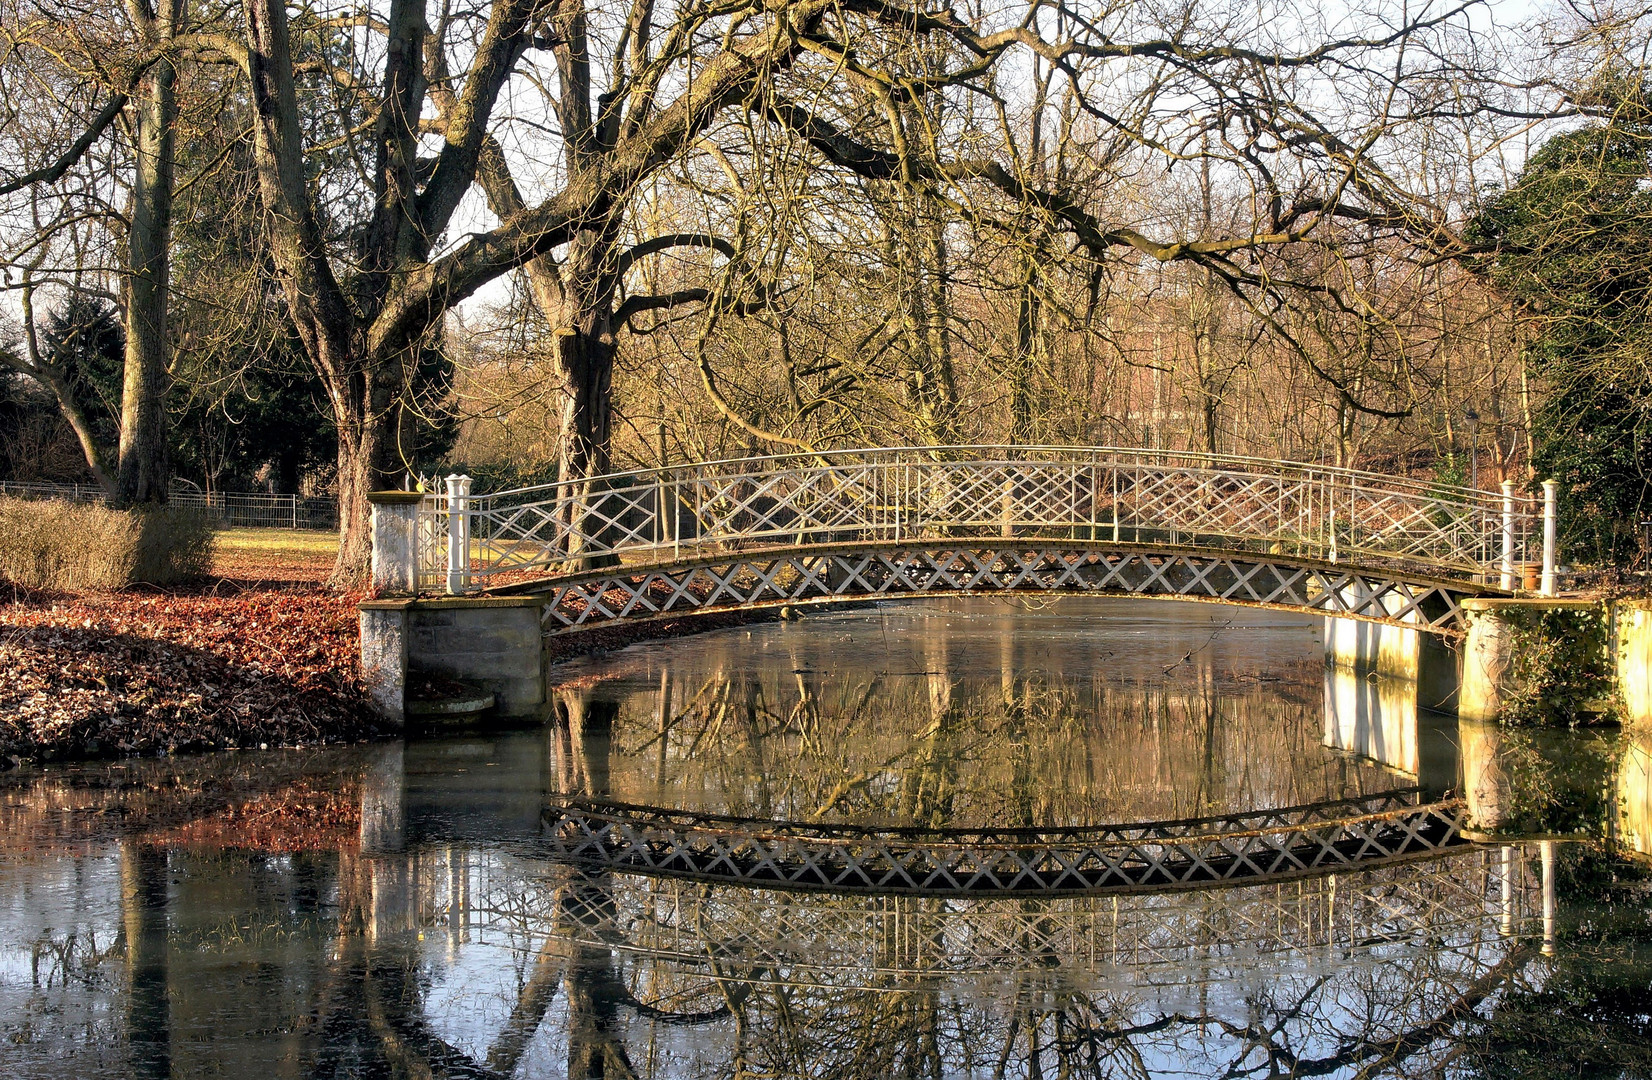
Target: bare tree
x=114 y=81
x=144 y=472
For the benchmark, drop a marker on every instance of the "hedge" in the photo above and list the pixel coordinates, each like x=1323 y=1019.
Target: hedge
x=55 y=544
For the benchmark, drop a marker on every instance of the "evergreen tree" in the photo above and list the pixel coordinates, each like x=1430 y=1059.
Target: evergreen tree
x=1572 y=243
x=83 y=338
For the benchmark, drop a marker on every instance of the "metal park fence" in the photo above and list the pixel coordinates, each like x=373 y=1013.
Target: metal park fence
x=80 y=493
x=231 y=509
x=257 y=510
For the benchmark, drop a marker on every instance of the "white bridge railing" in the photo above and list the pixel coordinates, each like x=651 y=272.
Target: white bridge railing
x=469 y=542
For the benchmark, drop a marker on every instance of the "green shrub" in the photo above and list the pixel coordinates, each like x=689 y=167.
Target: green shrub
x=53 y=544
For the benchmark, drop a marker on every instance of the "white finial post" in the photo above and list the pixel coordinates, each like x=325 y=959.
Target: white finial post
x=1551 y=490
x=1506 y=571
x=458 y=533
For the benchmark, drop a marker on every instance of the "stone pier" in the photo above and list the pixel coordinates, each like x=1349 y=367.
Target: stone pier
x=1495 y=633
x=1421 y=660
x=1633 y=633
x=495 y=643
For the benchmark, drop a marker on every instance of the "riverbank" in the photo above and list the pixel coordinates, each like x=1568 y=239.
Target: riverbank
x=261 y=654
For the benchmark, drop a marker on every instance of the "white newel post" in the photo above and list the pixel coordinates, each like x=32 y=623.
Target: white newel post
x=1505 y=577
x=1551 y=490
x=395 y=561
x=458 y=533
x=1546 y=851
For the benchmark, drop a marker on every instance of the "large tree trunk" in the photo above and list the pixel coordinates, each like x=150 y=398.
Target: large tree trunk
x=932 y=389
x=577 y=300
x=37 y=365
x=332 y=334
x=585 y=379
x=917 y=247
x=355 y=480
x=367 y=413
x=1019 y=372
x=143 y=470
x=943 y=398
x=81 y=425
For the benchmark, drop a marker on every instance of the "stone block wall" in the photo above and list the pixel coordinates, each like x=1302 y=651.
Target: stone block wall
x=495 y=643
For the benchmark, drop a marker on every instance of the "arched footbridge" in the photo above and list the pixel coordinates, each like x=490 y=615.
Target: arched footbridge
x=843 y=526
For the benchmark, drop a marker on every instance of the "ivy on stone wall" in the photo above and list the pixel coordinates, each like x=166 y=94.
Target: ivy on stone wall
x=1563 y=669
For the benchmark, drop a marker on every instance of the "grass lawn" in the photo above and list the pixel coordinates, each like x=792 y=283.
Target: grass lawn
x=274 y=554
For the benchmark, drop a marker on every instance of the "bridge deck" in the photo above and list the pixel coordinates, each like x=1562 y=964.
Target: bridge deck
x=893 y=570
x=932 y=495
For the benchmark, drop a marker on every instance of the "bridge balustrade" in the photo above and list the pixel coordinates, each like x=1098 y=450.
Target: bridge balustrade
x=1102 y=494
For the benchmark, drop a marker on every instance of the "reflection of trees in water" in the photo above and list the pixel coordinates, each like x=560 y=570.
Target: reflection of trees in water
x=363 y=957
x=1040 y=1027
x=596 y=992
x=346 y=964
x=1020 y=987
x=1583 y=1012
x=143 y=886
x=943 y=745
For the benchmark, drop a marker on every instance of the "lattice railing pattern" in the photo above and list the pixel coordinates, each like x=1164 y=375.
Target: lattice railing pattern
x=803 y=576
x=1473 y=902
x=431 y=537
x=1469 y=895
x=1118 y=495
x=1270 y=846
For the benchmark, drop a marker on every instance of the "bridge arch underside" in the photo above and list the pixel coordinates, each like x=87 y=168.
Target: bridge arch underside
x=744 y=580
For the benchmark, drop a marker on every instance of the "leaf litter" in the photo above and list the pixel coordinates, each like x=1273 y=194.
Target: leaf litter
x=131 y=672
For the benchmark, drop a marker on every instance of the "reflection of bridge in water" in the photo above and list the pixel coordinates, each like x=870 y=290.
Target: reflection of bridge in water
x=848 y=525
x=645 y=964
x=1474 y=899
x=719 y=972
x=1256 y=847
x=660 y=966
